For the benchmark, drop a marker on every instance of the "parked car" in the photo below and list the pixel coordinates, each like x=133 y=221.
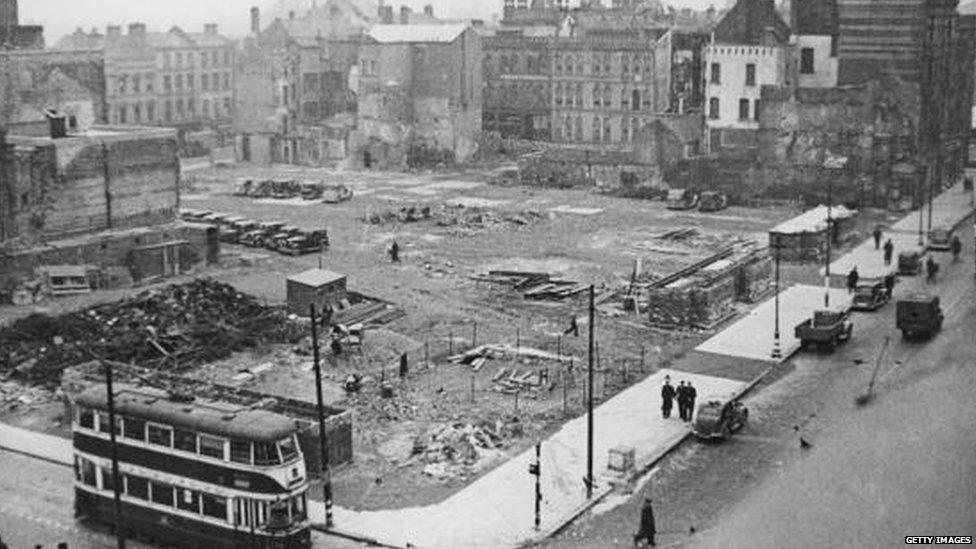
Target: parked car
x=300 y=245
x=713 y=201
x=682 y=199
x=215 y=218
x=827 y=328
x=870 y=295
x=718 y=419
x=278 y=239
x=242 y=187
x=940 y=239
x=909 y=263
x=918 y=315
x=253 y=239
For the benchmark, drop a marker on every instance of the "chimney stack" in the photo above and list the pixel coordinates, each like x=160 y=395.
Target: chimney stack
x=137 y=29
x=210 y=29
x=405 y=12
x=8 y=13
x=291 y=15
x=113 y=31
x=386 y=15
x=429 y=10
x=255 y=20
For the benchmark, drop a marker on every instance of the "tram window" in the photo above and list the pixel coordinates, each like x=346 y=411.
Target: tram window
x=88 y=472
x=103 y=423
x=107 y=483
x=188 y=500
x=240 y=451
x=86 y=418
x=162 y=493
x=279 y=514
x=265 y=454
x=213 y=447
x=134 y=428
x=185 y=440
x=162 y=436
x=214 y=506
x=137 y=487
x=288 y=449
x=298 y=507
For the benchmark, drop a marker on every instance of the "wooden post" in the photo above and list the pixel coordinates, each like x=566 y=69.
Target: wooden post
x=516 y=400
x=565 y=379
x=642 y=359
x=427 y=354
x=518 y=342
x=474 y=335
x=450 y=344
x=472 y=385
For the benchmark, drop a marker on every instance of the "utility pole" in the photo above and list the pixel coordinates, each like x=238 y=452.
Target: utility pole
x=777 y=350
x=589 y=404
x=323 y=444
x=535 y=469
x=116 y=477
x=830 y=238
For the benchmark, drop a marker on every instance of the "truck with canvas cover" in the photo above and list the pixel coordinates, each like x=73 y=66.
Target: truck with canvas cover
x=827 y=328
x=918 y=315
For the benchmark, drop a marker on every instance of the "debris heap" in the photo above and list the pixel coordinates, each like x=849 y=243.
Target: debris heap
x=455 y=216
x=174 y=328
x=461 y=449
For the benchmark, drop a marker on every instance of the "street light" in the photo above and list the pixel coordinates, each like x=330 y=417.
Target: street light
x=777 y=353
x=830 y=237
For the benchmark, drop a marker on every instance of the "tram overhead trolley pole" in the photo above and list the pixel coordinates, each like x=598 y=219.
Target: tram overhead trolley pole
x=323 y=444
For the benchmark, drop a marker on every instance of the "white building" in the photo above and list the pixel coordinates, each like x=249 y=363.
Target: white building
x=814 y=40
x=749 y=50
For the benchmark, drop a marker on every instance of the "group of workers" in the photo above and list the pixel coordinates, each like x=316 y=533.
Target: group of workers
x=684 y=393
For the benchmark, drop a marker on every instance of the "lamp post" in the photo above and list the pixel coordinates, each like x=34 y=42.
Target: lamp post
x=921 y=206
x=830 y=238
x=777 y=353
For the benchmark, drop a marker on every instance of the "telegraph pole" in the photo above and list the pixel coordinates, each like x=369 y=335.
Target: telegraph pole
x=830 y=238
x=535 y=469
x=777 y=350
x=589 y=404
x=323 y=444
x=116 y=477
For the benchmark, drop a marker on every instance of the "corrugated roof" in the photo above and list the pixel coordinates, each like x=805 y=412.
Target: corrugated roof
x=316 y=277
x=390 y=34
x=206 y=416
x=812 y=221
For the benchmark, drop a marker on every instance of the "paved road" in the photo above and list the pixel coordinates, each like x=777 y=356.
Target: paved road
x=37 y=507
x=754 y=491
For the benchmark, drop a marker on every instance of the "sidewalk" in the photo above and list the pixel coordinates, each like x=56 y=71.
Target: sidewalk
x=39 y=445
x=497 y=511
x=752 y=336
x=949 y=209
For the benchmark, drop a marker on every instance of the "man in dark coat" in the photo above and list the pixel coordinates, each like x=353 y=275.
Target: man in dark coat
x=682 y=396
x=395 y=252
x=877 y=237
x=667 y=398
x=889 y=284
x=956 y=247
x=931 y=267
x=692 y=395
x=647 y=529
x=889 y=250
x=852 y=278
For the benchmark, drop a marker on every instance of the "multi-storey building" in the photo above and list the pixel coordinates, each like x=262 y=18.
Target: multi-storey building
x=815 y=39
x=749 y=49
x=13 y=35
x=171 y=78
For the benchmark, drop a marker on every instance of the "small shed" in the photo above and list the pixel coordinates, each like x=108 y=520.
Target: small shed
x=69 y=279
x=315 y=286
x=804 y=238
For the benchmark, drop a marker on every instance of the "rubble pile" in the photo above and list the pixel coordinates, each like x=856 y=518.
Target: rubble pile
x=460 y=449
x=173 y=328
x=456 y=216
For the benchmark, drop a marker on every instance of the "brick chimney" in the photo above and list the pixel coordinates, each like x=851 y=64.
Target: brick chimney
x=113 y=31
x=137 y=29
x=429 y=10
x=210 y=29
x=255 y=20
x=405 y=12
x=8 y=13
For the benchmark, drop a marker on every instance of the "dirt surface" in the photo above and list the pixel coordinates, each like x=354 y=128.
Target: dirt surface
x=577 y=235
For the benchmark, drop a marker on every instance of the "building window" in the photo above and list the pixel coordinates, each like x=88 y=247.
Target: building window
x=213 y=57
x=179 y=108
x=226 y=58
x=179 y=82
x=596 y=129
x=179 y=59
x=240 y=451
x=212 y=447
x=206 y=108
x=167 y=83
x=635 y=97
x=743 y=109
x=150 y=112
x=755 y=110
x=204 y=60
x=189 y=81
x=607 y=96
x=205 y=82
x=149 y=82
x=123 y=114
x=86 y=418
x=136 y=83
x=137 y=113
x=713 y=111
x=166 y=60
x=168 y=110
x=806 y=61
x=191 y=107
x=716 y=73
x=750 y=74
x=227 y=80
x=579 y=128
x=160 y=435
x=227 y=106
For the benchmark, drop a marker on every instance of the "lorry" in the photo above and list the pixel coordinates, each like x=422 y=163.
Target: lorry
x=918 y=315
x=681 y=199
x=713 y=201
x=827 y=328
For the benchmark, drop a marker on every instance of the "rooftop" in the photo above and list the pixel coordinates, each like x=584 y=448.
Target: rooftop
x=390 y=34
x=316 y=277
x=747 y=21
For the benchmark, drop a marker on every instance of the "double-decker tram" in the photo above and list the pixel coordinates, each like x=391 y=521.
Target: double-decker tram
x=192 y=473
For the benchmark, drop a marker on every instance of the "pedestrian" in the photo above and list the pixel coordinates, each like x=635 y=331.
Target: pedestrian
x=403 y=365
x=889 y=284
x=63 y=545
x=682 y=396
x=956 y=247
x=647 y=529
x=667 y=397
x=931 y=268
x=692 y=395
x=395 y=252
x=889 y=250
x=852 y=278
x=573 y=327
x=877 y=236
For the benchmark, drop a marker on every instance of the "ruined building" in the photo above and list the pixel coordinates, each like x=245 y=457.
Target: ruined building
x=420 y=96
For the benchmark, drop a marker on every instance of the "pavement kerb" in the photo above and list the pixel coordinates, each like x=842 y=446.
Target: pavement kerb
x=373 y=542
x=34 y=455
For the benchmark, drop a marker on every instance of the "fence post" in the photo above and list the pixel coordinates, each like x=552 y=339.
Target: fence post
x=642 y=359
x=450 y=343
x=472 y=385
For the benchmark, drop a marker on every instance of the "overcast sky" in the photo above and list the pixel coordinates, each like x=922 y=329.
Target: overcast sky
x=61 y=17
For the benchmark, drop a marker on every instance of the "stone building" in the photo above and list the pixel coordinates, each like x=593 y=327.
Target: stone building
x=420 y=95
x=172 y=78
x=749 y=50
x=293 y=85
x=13 y=35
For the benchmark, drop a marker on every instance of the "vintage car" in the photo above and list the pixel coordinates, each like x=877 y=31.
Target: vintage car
x=713 y=201
x=718 y=419
x=940 y=239
x=918 y=315
x=681 y=199
x=909 y=263
x=869 y=295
